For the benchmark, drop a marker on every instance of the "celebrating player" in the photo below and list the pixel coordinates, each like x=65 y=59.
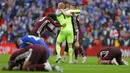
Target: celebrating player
x=111 y=56
x=77 y=34
x=76 y=29
x=45 y=23
x=66 y=32
x=31 y=58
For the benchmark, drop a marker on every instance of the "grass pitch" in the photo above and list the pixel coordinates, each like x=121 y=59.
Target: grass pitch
x=90 y=66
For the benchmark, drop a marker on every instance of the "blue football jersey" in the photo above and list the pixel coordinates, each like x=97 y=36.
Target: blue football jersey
x=30 y=39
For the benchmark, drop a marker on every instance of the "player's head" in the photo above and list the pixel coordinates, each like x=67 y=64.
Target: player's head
x=61 y=5
x=66 y=4
x=53 y=16
x=73 y=5
x=11 y=64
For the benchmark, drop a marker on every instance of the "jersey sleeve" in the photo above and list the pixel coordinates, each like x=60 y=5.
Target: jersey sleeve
x=58 y=12
x=60 y=17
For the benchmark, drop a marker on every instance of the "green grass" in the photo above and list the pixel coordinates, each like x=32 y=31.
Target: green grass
x=90 y=66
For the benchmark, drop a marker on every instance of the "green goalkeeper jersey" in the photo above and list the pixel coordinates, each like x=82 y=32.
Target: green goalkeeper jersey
x=69 y=18
x=66 y=20
x=60 y=16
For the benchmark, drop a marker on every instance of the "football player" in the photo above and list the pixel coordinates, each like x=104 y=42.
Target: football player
x=31 y=58
x=45 y=23
x=26 y=40
x=111 y=56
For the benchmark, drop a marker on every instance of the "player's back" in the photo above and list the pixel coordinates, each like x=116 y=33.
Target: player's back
x=111 y=52
x=39 y=50
x=19 y=55
x=30 y=39
x=36 y=49
x=115 y=51
x=42 y=21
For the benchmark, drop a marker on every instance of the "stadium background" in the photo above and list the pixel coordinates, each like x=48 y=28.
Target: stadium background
x=106 y=22
x=99 y=17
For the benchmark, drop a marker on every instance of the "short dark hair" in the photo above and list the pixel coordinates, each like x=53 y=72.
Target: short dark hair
x=66 y=2
x=52 y=15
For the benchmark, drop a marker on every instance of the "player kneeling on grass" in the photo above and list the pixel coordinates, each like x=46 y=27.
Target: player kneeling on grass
x=31 y=58
x=111 y=56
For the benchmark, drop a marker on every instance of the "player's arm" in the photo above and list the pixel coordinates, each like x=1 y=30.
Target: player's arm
x=101 y=61
x=27 y=62
x=10 y=67
x=66 y=13
x=52 y=21
x=58 y=12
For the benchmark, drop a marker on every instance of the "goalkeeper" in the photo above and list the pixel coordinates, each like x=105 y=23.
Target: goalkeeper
x=66 y=32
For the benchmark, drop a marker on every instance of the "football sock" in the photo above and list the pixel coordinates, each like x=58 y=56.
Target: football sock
x=81 y=51
x=65 y=53
x=36 y=67
x=76 y=53
x=70 y=53
x=58 y=49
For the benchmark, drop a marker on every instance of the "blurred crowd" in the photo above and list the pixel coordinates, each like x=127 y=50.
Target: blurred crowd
x=107 y=22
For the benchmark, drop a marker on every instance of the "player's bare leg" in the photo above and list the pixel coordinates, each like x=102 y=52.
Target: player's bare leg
x=65 y=52
x=70 y=53
x=113 y=62
x=76 y=55
x=63 y=57
x=78 y=51
x=82 y=54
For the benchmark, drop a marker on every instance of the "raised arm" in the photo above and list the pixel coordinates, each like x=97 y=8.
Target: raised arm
x=66 y=13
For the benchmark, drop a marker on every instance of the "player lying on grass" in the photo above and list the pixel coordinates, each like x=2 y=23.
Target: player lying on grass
x=111 y=56
x=31 y=58
x=45 y=23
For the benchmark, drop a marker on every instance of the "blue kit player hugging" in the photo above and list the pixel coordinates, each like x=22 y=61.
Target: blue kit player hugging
x=30 y=39
x=39 y=52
